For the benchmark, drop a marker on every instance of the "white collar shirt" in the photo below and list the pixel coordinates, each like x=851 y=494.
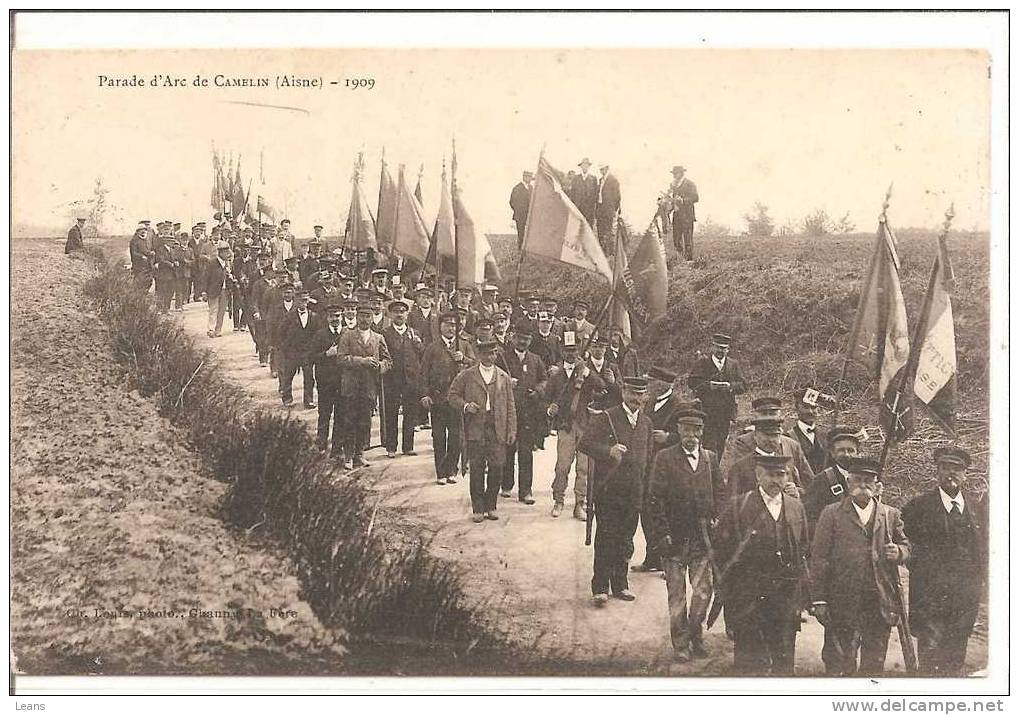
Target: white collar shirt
x=948 y=501
x=773 y=503
x=719 y=364
x=806 y=429
x=630 y=415
x=865 y=513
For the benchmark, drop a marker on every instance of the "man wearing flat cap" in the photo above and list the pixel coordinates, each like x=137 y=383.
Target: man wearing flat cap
x=947 y=528
x=329 y=378
x=746 y=444
x=812 y=441
x=716 y=379
x=520 y=201
x=686 y=491
x=424 y=317
x=855 y=554
x=296 y=339
x=215 y=288
x=761 y=543
x=483 y=394
x=402 y=383
x=619 y=443
x=141 y=258
x=830 y=485
x=365 y=359
x=680 y=198
x=74 y=238
x=741 y=477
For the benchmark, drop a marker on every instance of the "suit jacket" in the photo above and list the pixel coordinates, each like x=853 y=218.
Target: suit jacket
x=681 y=499
x=584 y=194
x=469 y=386
x=827 y=487
x=427 y=328
x=296 y=340
x=816 y=452
x=438 y=368
x=618 y=485
x=572 y=395
x=360 y=379
x=529 y=393
x=768 y=557
x=683 y=211
x=743 y=445
x=214 y=279
x=140 y=262
x=608 y=196
x=612 y=393
x=844 y=562
x=164 y=259
x=275 y=316
x=74 y=242
x=328 y=368
x=741 y=477
x=627 y=360
x=719 y=404
x=549 y=349
x=405 y=352
x=944 y=580
x=520 y=199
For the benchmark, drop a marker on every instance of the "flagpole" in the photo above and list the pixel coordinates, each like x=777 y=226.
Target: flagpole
x=527 y=222
x=882 y=225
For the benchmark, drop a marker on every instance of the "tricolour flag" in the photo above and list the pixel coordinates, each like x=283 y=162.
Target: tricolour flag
x=556 y=230
x=879 y=340
x=237 y=200
x=935 y=368
x=475 y=262
x=642 y=281
x=410 y=236
x=386 y=224
x=442 y=249
x=360 y=232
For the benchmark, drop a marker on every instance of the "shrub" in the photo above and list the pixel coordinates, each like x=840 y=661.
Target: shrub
x=759 y=223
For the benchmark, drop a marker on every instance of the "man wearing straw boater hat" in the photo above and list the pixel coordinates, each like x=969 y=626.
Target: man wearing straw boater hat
x=855 y=554
x=619 y=443
x=947 y=528
x=716 y=379
x=686 y=489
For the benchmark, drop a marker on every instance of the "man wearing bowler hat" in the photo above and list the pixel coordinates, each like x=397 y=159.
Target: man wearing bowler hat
x=855 y=554
x=619 y=443
x=584 y=191
x=716 y=379
x=947 y=528
x=686 y=490
x=682 y=196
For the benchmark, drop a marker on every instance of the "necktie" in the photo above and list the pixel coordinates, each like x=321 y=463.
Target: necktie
x=956 y=511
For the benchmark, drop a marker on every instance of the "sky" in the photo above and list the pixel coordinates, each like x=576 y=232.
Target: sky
x=795 y=129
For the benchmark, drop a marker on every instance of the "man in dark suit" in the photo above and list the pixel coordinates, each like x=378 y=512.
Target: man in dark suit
x=947 y=528
x=716 y=379
x=365 y=359
x=619 y=443
x=829 y=485
x=622 y=352
x=686 y=490
x=277 y=309
x=215 y=289
x=762 y=541
x=545 y=343
x=741 y=477
x=141 y=259
x=607 y=371
x=165 y=264
x=683 y=196
x=329 y=379
x=528 y=374
x=520 y=200
x=608 y=208
x=443 y=360
x=745 y=444
x=583 y=191
x=402 y=383
x=297 y=331
x=424 y=318
x=812 y=442
x=855 y=554
x=74 y=240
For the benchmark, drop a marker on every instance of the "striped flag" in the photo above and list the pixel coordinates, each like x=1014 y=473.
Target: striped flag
x=442 y=234
x=936 y=364
x=879 y=340
x=360 y=222
x=556 y=230
x=475 y=263
x=410 y=236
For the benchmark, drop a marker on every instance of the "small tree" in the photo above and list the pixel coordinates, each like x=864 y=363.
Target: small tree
x=817 y=223
x=759 y=223
x=845 y=224
x=96 y=209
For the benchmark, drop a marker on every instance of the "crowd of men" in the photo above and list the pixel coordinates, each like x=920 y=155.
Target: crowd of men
x=769 y=524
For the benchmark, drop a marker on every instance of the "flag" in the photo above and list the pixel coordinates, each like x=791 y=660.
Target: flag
x=933 y=375
x=417 y=189
x=217 y=197
x=642 y=282
x=386 y=225
x=556 y=230
x=410 y=236
x=442 y=235
x=262 y=206
x=879 y=340
x=475 y=263
x=237 y=200
x=360 y=223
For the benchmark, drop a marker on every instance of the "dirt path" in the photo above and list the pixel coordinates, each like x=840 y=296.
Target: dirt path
x=112 y=515
x=533 y=569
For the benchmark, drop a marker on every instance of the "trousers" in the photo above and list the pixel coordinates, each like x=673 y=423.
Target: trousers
x=566 y=453
x=357 y=420
x=397 y=396
x=217 y=309
x=447 y=433
x=288 y=368
x=486 y=461
x=682 y=236
x=686 y=619
x=615 y=525
x=520 y=452
x=864 y=637
x=330 y=414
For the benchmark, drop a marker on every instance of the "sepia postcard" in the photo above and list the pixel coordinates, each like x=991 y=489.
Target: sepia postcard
x=510 y=352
